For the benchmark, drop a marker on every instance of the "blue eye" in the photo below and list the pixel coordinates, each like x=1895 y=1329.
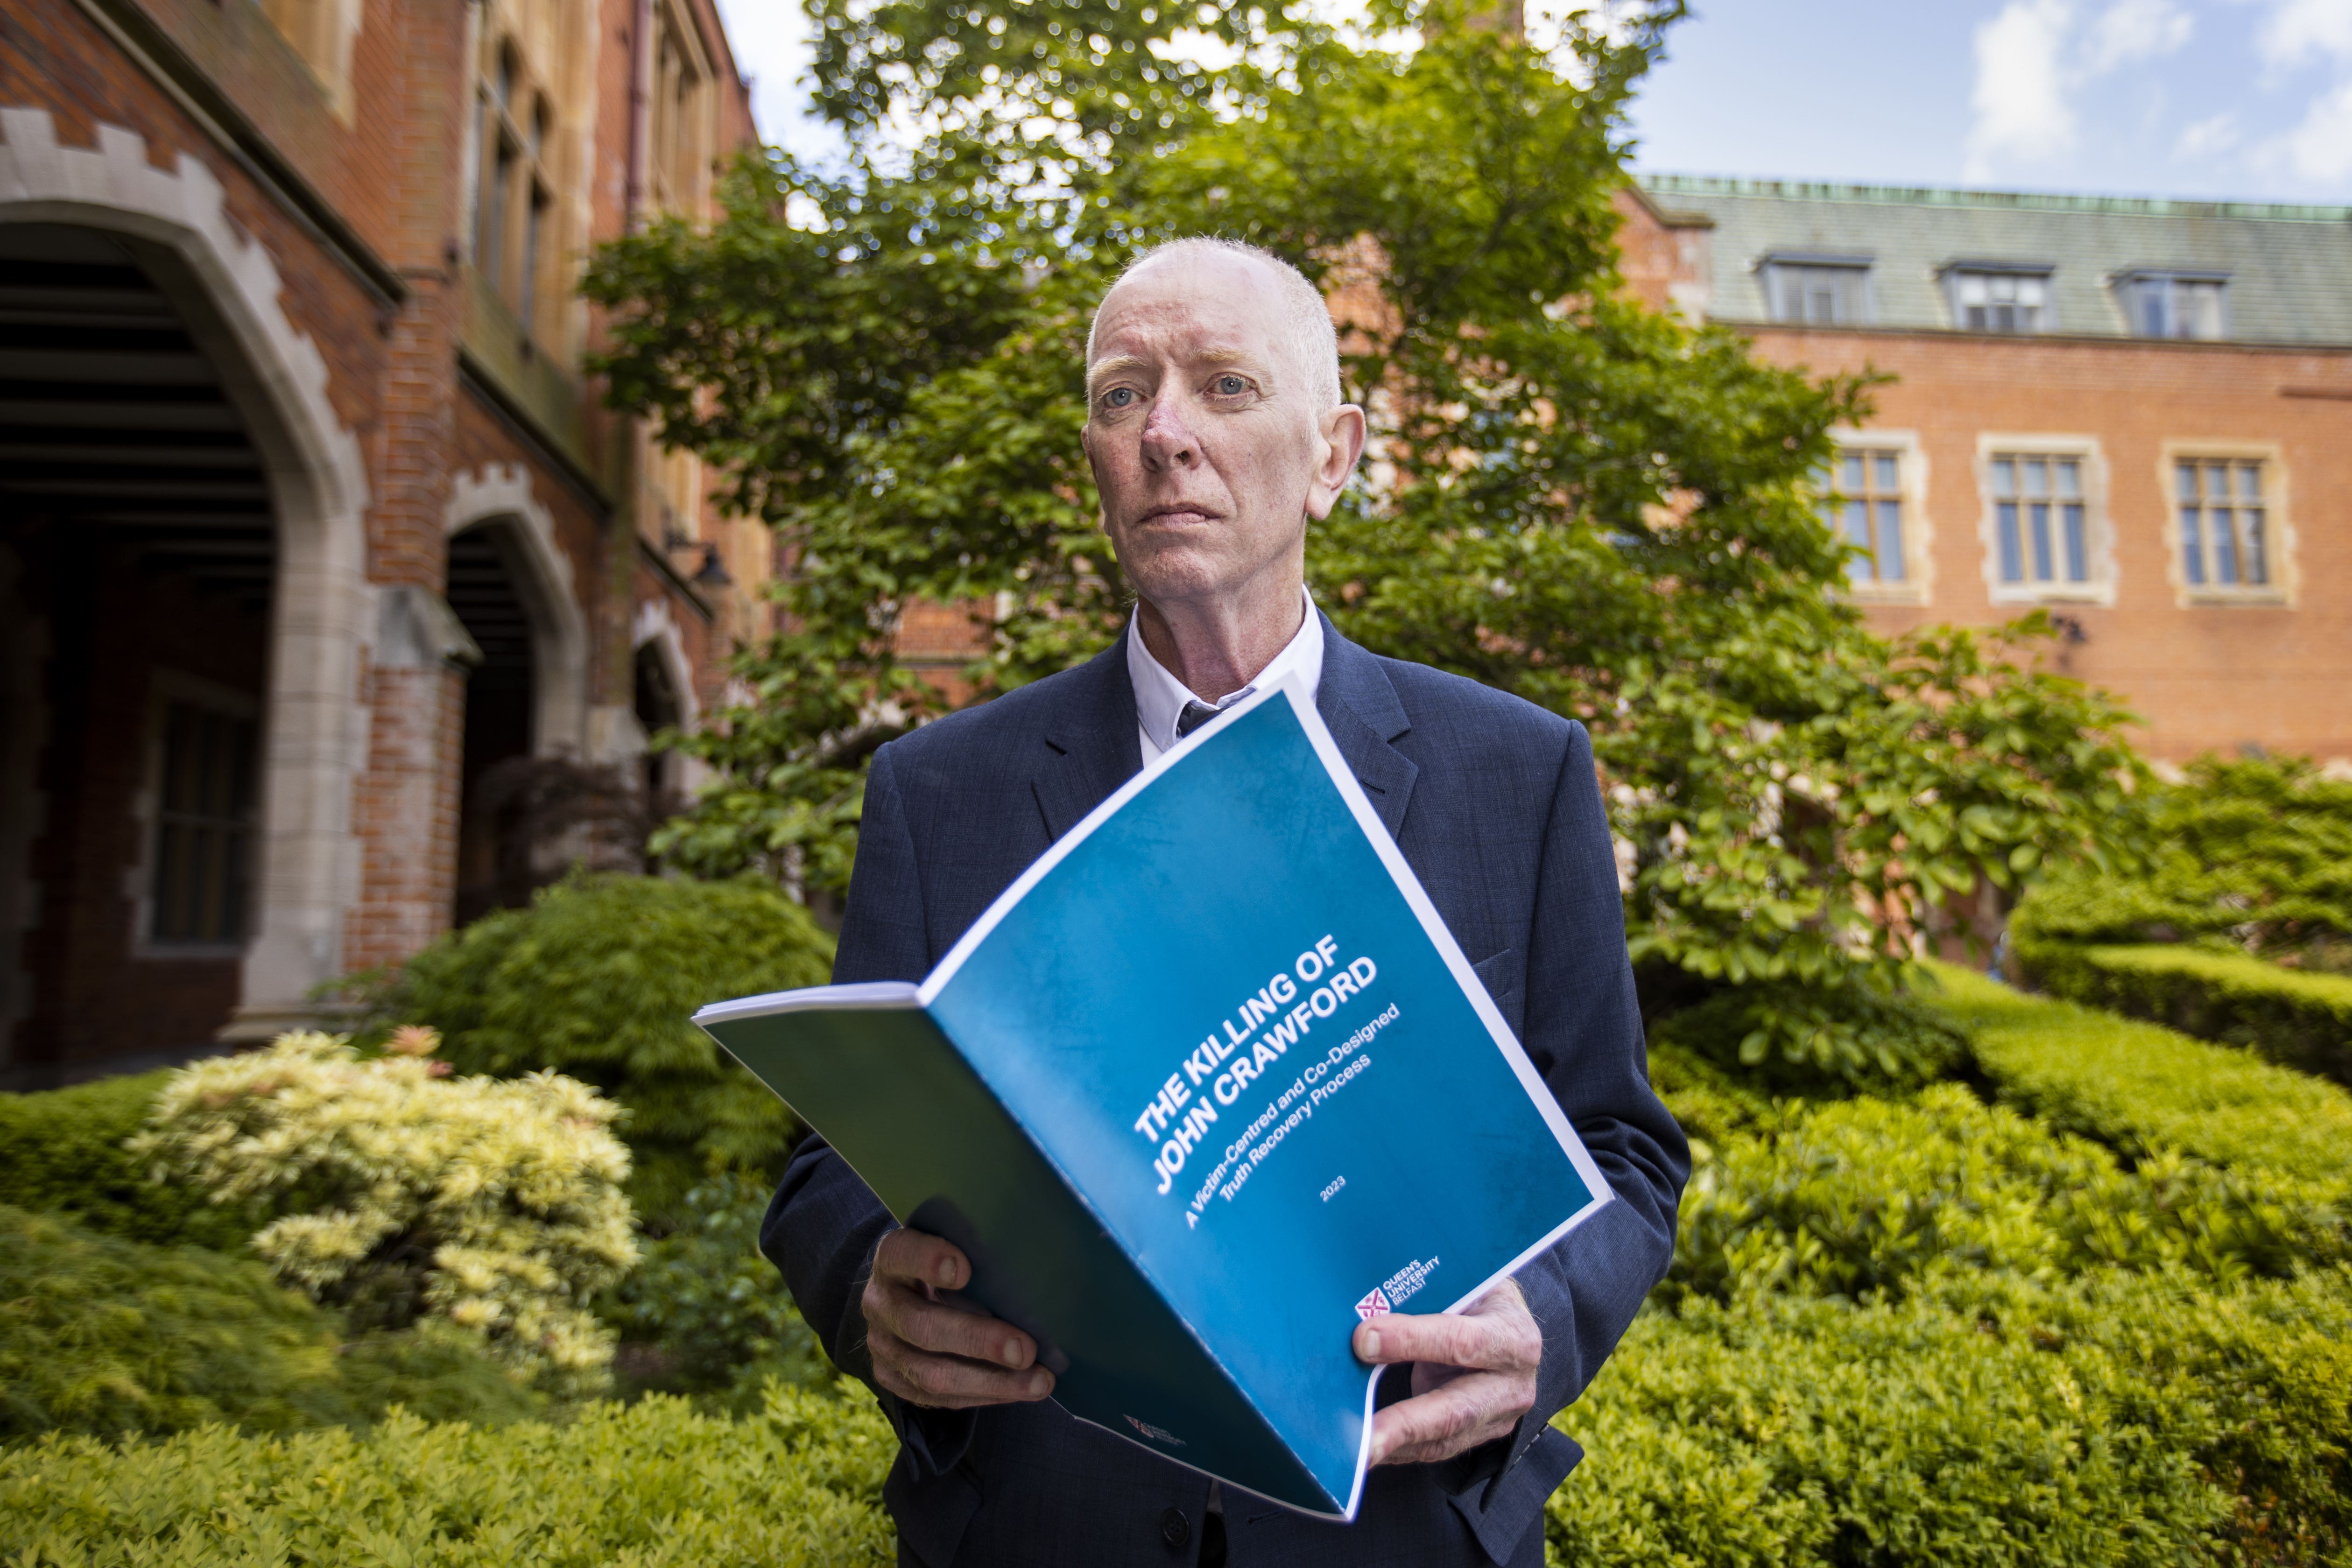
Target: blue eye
x=1232 y=386
x=1118 y=397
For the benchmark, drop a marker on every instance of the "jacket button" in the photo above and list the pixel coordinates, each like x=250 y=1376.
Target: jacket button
x=1175 y=1528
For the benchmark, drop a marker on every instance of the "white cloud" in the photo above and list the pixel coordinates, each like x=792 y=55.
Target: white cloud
x=2320 y=148
x=2132 y=30
x=2214 y=134
x=2020 y=98
x=2299 y=31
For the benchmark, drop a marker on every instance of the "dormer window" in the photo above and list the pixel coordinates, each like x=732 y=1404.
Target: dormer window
x=2175 y=303
x=1819 y=290
x=1992 y=296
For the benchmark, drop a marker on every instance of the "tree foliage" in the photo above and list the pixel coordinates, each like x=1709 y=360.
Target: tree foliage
x=1568 y=496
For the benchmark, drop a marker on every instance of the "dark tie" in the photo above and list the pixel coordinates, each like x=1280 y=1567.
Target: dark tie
x=1196 y=713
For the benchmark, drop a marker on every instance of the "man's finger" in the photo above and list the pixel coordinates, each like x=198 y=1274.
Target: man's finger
x=1445 y=1420
x=949 y=1382
x=1449 y=1339
x=921 y=1258
x=944 y=1330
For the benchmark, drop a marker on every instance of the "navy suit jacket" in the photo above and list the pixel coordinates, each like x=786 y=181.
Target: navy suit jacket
x=1495 y=805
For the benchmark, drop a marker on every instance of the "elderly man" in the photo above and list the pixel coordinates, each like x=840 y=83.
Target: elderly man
x=1216 y=433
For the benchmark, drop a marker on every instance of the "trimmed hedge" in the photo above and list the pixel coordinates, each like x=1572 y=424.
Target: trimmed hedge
x=61 y=1152
x=1872 y=1199
x=2288 y=1016
x=2142 y=1089
x=104 y=1336
x=648 y=1484
x=2123 y=1420
x=598 y=979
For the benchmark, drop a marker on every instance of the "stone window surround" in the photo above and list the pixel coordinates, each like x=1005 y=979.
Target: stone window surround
x=2278 y=502
x=1917 y=586
x=2098 y=520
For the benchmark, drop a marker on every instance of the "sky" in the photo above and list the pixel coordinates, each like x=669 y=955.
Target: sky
x=2244 y=99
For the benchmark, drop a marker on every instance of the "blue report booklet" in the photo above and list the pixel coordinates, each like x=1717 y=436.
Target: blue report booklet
x=1210 y=1085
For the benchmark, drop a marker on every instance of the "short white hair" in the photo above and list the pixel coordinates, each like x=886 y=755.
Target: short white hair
x=1306 y=319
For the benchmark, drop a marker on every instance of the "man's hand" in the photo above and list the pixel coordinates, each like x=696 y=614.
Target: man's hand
x=1473 y=1377
x=932 y=1351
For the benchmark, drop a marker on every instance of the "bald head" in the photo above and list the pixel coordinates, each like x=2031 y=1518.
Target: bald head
x=1299 y=318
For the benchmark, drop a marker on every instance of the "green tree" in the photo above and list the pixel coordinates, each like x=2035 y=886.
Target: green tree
x=1568 y=496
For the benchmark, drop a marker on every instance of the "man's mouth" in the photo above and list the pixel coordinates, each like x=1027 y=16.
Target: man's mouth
x=1177 y=512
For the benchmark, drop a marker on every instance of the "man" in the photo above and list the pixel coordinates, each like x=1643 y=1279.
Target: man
x=1216 y=433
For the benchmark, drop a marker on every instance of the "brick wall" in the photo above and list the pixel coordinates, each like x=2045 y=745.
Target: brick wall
x=2206 y=677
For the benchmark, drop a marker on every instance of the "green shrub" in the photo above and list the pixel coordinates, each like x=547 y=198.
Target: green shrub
x=598 y=979
x=2259 y=850
x=1792 y=1038
x=2120 y=1419
x=107 y=1337
x=492 y=1204
x=647 y=1484
x=2142 y=1089
x=61 y=1152
x=706 y=1313
x=1867 y=1198
x=2292 y=1018
x=1787 y=1431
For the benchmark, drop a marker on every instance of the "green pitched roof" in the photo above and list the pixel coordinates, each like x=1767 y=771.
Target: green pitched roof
x=2289 y=267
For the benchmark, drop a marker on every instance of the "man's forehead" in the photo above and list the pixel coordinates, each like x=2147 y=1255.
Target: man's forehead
x=1209 y=306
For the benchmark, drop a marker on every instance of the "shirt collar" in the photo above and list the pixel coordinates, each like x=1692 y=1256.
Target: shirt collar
x=1160 y=697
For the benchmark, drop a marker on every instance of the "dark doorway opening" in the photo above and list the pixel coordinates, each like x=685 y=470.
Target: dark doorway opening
x=138 y=558
x=494 y=852
x=658 y=708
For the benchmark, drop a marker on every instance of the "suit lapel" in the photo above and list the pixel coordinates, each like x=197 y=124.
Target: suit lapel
x=1090 y=746
x=1090 y=743
x=1361 y=708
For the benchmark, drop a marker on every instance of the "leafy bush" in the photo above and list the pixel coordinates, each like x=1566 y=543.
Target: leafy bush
x=2143 y=1090
x=2258 y=850
x=1868 y=1198
x=648 y=1484
x=62 y=1152
x=1790 y=1038
x=494 y=1205
x=2295 y=1018
x=598 y=979
x=705 y=1312
x=109 y=1337
x=2121 y=1419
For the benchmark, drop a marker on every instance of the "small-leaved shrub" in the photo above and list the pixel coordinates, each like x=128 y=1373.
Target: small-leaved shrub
x=494 y=1204
x=705 y=1313
x=2258 y=850
x=1868 y=1197
x=599 y=980
x=2142 y=1089
x=109 y=1337
x=61 y=1152
x=2117 y=1419
x=653 y=1485
x=2292 y=1017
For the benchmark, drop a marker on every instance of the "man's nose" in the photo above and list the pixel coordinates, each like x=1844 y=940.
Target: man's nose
x=1168 y=442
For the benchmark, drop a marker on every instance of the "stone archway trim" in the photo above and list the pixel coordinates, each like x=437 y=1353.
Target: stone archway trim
x=501 y=492
x=308 y=876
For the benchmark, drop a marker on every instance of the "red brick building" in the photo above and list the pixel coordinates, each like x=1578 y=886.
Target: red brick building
x=306 y=517
x=2136 y=414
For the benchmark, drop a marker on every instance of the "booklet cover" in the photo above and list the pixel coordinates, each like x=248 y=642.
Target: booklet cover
x=1208 y=1085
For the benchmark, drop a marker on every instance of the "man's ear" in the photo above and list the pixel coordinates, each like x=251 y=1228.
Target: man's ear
x=1343 y=443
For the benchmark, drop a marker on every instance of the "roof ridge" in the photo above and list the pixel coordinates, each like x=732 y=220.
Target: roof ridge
x=1659 y=184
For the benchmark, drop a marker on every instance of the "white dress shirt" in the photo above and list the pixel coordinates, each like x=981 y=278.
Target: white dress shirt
x=1160 y=697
